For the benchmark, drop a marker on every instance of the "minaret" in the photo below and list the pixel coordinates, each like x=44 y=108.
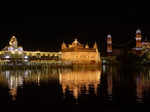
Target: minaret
x=63 y=46
x=138 y=40
x=109 y=44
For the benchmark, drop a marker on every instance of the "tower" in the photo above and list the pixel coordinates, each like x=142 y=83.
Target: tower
x=138 y=40
x=109 y=44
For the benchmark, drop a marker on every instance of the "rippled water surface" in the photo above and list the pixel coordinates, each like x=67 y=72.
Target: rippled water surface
x=109 y=85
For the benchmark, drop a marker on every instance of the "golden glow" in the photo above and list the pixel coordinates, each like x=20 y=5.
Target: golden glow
x=76 y=79
x=77 y=54
x=13 y=93
x=15 y=79
x=13 y=42
x=13 y=52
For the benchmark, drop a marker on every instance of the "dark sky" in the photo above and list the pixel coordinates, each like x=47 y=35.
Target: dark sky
x=48 y=32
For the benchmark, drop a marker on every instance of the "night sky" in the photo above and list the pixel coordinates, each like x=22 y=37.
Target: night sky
x=46 y=33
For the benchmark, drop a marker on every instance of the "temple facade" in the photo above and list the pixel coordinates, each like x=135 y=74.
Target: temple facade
x=71 y=54
x=14 y=53
x=77 y=53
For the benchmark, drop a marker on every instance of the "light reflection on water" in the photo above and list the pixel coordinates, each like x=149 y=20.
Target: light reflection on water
x=79 y=80
x=15 y=79
x=143 y=85
x=103 y=84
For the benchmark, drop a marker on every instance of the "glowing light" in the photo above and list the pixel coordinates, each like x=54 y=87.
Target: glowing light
x=7 y=56
x=104 y=61
x=138 y=38
x=104 y=68
x=76 y=41
x=25 y=57
x=19 y=52
x=25 y=60
x=138 y=48
x=10 y=48
x=109 y=36
x=12 y=52
x=20 y=49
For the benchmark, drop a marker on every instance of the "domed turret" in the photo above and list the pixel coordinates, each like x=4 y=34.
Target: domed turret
x=13 y=42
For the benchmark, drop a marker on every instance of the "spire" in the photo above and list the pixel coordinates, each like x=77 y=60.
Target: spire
x=87 y=46
x=75 y=41
x=95 y=45
x=63 y=46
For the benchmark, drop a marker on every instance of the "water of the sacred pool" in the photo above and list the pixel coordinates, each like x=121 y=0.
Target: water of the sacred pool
x=108 y=85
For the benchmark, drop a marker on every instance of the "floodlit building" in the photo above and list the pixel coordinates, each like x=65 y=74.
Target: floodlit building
x=77 y=53
x=15 y=53
x=74 y=53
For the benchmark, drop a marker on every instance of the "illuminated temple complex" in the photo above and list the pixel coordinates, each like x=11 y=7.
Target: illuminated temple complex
x=75 y=53
x=16 y=54
x=80 y=54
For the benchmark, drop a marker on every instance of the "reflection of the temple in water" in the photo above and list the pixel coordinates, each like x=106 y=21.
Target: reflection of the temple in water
x=143 y=85
x=12 y=80
x=75 y=81
x=15 y=79
x=79 y=80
